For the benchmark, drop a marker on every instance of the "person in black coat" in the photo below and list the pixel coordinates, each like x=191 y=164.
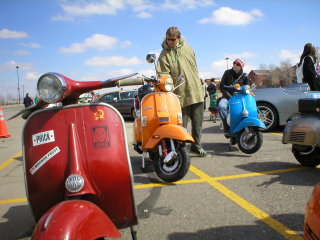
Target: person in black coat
x=211 y=86
x=27 y=101
x=309 y=58
x=230 y=78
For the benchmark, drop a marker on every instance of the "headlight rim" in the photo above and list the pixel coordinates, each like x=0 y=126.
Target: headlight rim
x=167 y=85
x=63 y=86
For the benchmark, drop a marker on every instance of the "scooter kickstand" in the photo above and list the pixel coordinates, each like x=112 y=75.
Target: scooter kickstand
x=143 y=161
x=133 y=233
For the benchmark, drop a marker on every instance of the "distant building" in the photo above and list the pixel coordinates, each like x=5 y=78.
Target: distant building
x=259 y=77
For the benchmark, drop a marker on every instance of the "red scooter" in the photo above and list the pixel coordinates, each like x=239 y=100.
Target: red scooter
x=76 y=162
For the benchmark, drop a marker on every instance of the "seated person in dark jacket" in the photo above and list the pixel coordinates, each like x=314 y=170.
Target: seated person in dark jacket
x=230 y=78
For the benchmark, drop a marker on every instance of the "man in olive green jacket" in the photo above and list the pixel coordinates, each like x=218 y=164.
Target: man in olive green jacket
x=175 y=59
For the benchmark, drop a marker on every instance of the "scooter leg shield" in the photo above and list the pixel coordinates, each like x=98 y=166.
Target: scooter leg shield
x=75 y=219
x=168 y=131
x=249 y=122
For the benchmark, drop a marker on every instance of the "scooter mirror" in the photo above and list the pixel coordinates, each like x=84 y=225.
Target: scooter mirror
x=151 y=58
x=181 y=79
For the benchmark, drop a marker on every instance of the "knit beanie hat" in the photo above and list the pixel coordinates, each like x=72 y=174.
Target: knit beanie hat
x=240 y=62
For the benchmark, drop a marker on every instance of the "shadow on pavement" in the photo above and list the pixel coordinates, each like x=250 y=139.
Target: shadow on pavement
x=248 y=232
x=303 y=177
x=19 y=224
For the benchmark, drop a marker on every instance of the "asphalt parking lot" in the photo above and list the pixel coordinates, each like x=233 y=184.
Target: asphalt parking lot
x=229 y=195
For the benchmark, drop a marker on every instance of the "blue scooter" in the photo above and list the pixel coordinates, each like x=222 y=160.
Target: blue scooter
x=243 y=120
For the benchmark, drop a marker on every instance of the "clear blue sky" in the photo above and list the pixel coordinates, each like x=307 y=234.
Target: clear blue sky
x=96 y=40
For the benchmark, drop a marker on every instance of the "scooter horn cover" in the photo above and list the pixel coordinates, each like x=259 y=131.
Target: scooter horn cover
x=75 y=219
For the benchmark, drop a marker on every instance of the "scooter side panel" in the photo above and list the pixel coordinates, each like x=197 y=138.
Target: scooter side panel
x=105 y=158
x=158 y=108
x=148 y=112
x=312 y=215
x=303 y=130
x=237 y=104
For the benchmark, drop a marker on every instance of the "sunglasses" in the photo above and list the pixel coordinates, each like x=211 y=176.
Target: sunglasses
x=171 y=39
x=237 y=64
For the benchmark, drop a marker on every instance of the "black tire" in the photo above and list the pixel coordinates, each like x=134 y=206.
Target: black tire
x=250 y=142
x=307 y=156
x=268 y=115
x=175 y=169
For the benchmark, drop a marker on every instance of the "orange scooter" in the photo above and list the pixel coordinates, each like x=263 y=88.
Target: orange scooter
x=158 y=129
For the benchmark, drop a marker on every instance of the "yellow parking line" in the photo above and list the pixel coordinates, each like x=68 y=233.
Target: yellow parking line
x=253 y=210
x=278 y=134
x=255 y=174
x=151 y=185
x=16 y=200
x=220 y=178
x=6 y=163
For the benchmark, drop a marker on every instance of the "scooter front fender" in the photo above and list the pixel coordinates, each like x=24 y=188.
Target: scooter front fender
x=249 y=122
x=303 y=130
x=168 y=131
x=75 y=219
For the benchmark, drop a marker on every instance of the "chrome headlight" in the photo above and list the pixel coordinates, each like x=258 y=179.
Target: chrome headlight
x=169 y=84
x=245 y=113
x=51 y=87
x=246 y=87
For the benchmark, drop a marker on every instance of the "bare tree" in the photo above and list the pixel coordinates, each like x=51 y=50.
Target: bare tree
x=279 y=76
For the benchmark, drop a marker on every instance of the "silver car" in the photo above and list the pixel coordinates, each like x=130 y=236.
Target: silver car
x=278 y=105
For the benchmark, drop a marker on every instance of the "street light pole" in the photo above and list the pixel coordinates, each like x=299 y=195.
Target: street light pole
x=18 y=84
x=227 y=62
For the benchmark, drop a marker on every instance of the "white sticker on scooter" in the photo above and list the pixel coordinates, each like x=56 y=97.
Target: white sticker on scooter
x=44 y=159
x=42 y=138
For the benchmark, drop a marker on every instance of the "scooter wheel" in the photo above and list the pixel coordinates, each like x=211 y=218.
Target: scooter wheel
x=307 y=156
x=250 y=141
x=176 y=168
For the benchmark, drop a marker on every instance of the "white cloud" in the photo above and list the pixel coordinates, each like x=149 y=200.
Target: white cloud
x=243 y=55
x=11 y=65
x=180 y=5
x=205 y=75
x=144 y=15
x=31 y=45
x=73 y=10
x=32 y=76
x=5 y=33
x=112 y=61
x=147 y=72
x=229 y=16
x=292 y=56
x=106 y=75
x=85 y=9
x=96 y=41
x=220 y=66
x=22 y=52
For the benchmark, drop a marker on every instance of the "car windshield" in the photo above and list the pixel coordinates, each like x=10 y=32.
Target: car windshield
x=128 y=95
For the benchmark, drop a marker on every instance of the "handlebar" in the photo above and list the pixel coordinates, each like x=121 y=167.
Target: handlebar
x=153 y=79
x=130 y=82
